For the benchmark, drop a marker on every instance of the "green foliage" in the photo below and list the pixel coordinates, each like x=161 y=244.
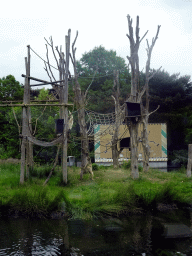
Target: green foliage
x=105 y=167
x=111 y=191
x=36 y=201
x=180 y=157
x=140 y=168
x=40 y=171
x=10 y=89
x=101 y=89
x=167 y=194
x=173 y=94
x=126 y=164
x=95 y=167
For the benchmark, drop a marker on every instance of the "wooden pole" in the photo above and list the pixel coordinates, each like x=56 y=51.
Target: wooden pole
x=34 y=104
x=30 y=159
x=65 y=109
x=29 y=146
x=24 y=127
x=189 y=165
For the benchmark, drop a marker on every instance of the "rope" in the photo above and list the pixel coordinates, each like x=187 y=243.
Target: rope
x=89 y=77
x=43 y=59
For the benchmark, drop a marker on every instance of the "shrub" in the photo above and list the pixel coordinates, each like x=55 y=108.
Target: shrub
x=126 y=164
x=95 y=167
x=105 y=167
x=180 y=157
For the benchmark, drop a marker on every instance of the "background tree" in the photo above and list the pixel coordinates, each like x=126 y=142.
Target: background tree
x=10 y=90
x=101 y=88
x=174 y=94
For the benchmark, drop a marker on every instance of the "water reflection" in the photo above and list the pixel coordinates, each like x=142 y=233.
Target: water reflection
x=134 y=235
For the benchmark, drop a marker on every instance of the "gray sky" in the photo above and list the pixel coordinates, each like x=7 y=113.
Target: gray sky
x=99 y=22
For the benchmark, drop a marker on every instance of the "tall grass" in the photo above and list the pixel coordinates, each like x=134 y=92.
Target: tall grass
x=110 y=192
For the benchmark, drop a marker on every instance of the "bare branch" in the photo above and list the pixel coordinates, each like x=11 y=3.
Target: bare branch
x=91 y=82
x=137 y=30
x=49 y=63
x=47 y=41
x=37 y=120
x=144 y=36
x=154 y=110
x=149 y=52
x=155 y=73
x=73 y=57
x=132 y=42
x=75 y=40
x=51 y=45
x=19 y=127
x=60 y=56
x=147 y=45
x=47 y=72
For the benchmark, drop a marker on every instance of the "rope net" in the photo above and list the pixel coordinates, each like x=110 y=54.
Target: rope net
x=110 y=121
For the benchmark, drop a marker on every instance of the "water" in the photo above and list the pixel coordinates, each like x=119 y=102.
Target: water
x=133 y=235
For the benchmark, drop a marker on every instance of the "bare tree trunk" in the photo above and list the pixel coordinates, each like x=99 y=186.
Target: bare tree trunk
x=115 y=153
x=23 y=145
x=189 y=165
x=79 y=99
x=145 y=144
x=136 y=95
x=133 y=129
x=115 y=139
x=84 y=140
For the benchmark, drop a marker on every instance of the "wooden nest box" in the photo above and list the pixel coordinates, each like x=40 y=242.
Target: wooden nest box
x=125 y=143
x=132 y=109
x=59 y=125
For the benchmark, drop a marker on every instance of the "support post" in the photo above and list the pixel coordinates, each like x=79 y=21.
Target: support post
x=189 y=165
x=65 y=109
x=29 y=148
x=24 y=129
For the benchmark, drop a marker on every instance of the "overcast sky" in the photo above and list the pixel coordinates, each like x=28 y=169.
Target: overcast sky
x=100 y=22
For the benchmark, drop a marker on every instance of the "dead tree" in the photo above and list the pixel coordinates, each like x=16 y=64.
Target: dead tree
x=80 y=102
x=145 y=110
x=136 y=95
x=115 y=151
x=61 y=90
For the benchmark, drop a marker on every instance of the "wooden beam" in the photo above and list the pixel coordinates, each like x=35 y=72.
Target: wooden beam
x=48 y=83
x=39 y=105
x=39 y=80
x=18 y=101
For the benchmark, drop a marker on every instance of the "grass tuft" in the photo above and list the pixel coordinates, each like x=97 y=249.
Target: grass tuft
x=111 y=191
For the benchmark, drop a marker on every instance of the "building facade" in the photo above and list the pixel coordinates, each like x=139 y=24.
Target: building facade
x=157 y=142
